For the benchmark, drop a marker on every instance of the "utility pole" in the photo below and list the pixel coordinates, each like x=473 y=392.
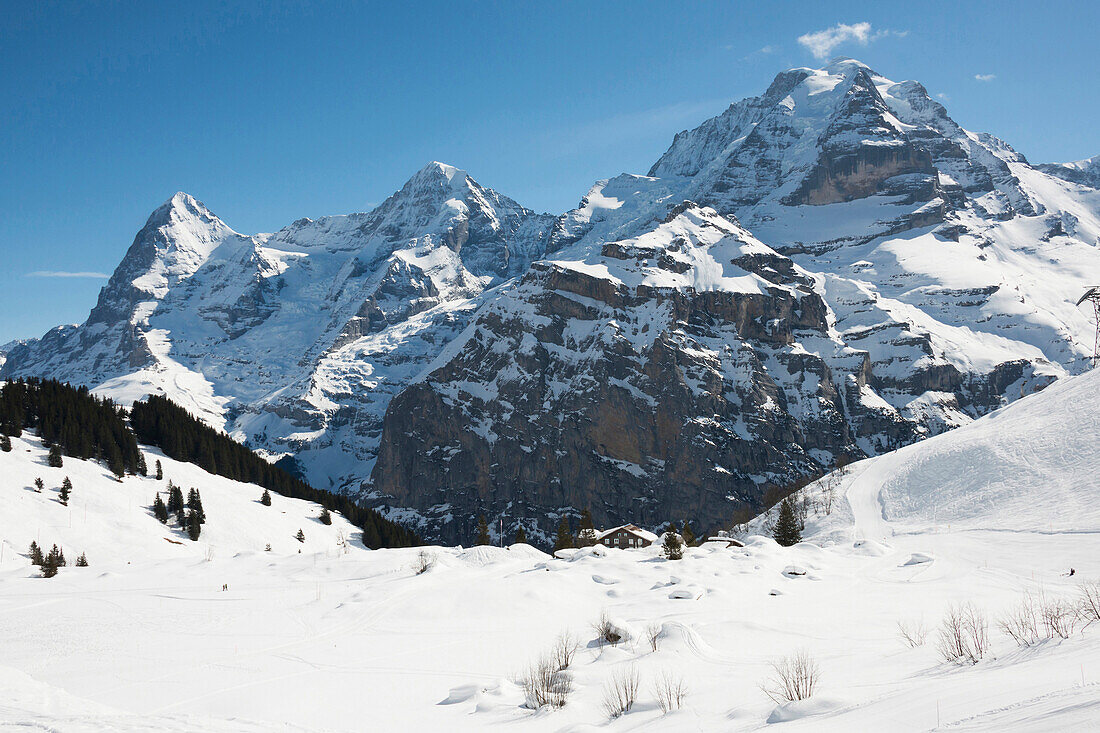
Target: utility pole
x=1093 y=296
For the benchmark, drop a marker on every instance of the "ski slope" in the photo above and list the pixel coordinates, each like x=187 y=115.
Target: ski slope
x=145 y=639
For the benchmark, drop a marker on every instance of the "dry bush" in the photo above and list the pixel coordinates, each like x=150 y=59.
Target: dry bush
x=621 y=691
x=1088 y=603
x=606 y=633
x=564 y=650
x=1021 y=623
x=544 y=684
x=793 y=678
x=913 y=633
x=670 y=691
x=963 y=634
x=653 y=634
x=1059 y=617
x=424 y=562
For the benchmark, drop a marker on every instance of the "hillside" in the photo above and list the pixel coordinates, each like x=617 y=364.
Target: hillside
x=318 y=640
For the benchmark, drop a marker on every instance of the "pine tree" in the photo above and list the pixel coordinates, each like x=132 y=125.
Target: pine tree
x=673 y=545
x=66 y=489
x=688 y=535
x=194 y=525
x=565 y=536
x=5 y=443
x=35 y=553
x=54 y=459
x=159 y=510
x=160 y=471
x=82 y=561
x=175 y=499
x=586 y=534
x=266 y=498
x=521 y=537
x=786 y=531
x=39 y=484
x=54 y=560
x=142 y=467
x=482 y=532
x=194 y=503
x=301 y=536
x=326 y=516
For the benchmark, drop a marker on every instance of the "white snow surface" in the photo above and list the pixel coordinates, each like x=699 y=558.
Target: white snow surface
x=145 y=639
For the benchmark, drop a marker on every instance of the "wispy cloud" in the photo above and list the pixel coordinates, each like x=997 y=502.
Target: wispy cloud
x=985 y=77
x=65 y=273
x=821 y=43
x=768 y=49
x=943 y=96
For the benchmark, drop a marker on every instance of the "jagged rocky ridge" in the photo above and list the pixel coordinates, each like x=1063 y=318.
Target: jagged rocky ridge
x=833 y=267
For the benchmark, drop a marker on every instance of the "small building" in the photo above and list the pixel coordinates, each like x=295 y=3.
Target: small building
x=625 y=537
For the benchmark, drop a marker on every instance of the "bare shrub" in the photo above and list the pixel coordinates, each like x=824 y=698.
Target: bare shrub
x=424 y=562
x=1088 y=602
x=653 y=634
x=564 y=650
x=544 y=684
x=793 y=678
x=913 y=633
x=1059 y=617
x=670 y=691
x=1021 y=623
x=606 y=633
x=963 y=634
x=620 y=692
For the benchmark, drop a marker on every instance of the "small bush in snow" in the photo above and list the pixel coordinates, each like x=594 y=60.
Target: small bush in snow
x=653 y=634
x=565 y=648
x=913 y=633
x=1088 y=603
x=544 y=684
x=670 y=691
x=793 y=678
x=963 y=634
x=1059 y=617
x=1021 y=623
x=606 y=631
x=424 y=562
x=621 y=691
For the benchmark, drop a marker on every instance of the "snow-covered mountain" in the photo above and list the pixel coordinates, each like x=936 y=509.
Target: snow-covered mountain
x=295 y=341
x=833 y=267
x=1085 y=172
x=902 y=276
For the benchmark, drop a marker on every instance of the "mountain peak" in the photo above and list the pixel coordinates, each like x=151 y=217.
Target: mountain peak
x=180 y=207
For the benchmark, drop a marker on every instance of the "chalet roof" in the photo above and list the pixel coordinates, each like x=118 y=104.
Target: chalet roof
x=632 y=528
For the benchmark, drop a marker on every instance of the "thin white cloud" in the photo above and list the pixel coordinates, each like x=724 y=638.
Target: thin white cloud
x=65 y=273
x=985 y=77
x=821 y=43
x=768 y=49
x=943 y=96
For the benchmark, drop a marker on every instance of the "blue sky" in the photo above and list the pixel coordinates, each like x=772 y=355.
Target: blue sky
x=272 y=111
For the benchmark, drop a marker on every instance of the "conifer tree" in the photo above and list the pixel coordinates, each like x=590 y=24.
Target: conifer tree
x=82 y=561
x=564 y=538
x=49 y=566
x=39 y=484
x=521 y=537
x=159 y=510
x=482 y=532
x=301 y=536
x=673 y=545
x=194 y=525
x=194 y=503
x=786 y=531
x=5 y=443
x=54 y=460
x=688 y=535
x=175 y=499
x=266 y=498
x=35 y=553
x=160 y=471
x=66 y=489
x=586 y=534
x=326 y=515
x=142 y=467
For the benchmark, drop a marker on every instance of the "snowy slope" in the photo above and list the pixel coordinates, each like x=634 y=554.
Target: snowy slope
x=319 y=641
